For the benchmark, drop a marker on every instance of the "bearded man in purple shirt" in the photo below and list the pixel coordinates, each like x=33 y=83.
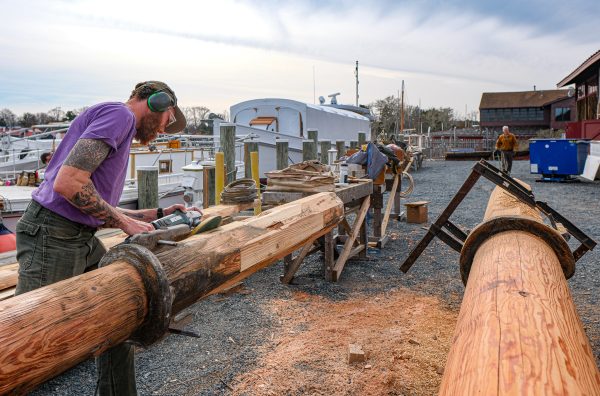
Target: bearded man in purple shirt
x=81 y=189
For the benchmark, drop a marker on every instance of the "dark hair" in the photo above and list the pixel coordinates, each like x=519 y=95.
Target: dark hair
x=142 y=91
x=45 y=158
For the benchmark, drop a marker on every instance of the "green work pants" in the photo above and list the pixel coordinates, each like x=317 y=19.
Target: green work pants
x=51 y=248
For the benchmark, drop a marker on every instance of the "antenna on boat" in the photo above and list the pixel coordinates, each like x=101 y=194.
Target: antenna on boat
x=356 y=74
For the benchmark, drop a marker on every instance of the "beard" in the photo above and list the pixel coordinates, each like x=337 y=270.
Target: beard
x=149 y=128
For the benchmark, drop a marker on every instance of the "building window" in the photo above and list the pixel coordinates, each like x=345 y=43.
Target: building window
x=562 y=114
x=165 y=166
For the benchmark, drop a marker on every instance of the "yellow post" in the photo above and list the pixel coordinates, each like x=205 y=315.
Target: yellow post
x=219 y=176
x=254 y=166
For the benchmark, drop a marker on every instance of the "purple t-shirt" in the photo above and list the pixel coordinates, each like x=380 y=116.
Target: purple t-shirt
x=114 y=124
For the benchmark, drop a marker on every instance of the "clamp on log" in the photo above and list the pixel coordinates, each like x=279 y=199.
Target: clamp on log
x=467 y=243
x=156 y=284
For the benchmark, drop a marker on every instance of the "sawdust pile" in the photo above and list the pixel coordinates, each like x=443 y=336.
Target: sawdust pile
x=406 y=337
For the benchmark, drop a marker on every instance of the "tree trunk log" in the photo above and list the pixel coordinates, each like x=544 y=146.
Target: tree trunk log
x=48 y=330
x=517 y=332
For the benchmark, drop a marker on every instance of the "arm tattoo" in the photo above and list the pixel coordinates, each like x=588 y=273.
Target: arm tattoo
x=146 y=215
x=90 y=202
x=87 y=154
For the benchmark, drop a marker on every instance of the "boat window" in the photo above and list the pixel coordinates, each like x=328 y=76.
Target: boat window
x=165 y=166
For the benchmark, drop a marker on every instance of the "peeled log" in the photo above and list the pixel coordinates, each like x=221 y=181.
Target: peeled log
x=518 y=332
x=48 y=330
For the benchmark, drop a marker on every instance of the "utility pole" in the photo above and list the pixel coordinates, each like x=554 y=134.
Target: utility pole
x=402 y=110
x=356 y=74
x=420 y=123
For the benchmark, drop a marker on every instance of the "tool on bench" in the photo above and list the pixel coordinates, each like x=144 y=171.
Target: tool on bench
x=173 y=228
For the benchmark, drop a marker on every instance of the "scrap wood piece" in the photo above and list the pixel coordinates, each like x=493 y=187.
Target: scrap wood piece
x=307 y=176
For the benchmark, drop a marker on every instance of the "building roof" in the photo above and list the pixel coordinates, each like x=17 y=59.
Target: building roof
x=583 y=72
x=503 y=100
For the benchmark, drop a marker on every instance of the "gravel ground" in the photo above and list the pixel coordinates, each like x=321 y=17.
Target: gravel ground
x=233 y=327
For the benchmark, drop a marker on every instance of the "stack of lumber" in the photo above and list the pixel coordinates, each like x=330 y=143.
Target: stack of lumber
x=48 y=330
x=307 y=176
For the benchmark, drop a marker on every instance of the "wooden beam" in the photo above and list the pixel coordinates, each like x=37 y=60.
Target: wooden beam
x=360 y=217
x=291 y=270
x=9 y=272
x=99 y=309
x=518 y=332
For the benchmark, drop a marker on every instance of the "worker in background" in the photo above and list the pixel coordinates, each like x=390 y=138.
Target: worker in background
x=44 y=159
x=81 y=189
x=506 y=143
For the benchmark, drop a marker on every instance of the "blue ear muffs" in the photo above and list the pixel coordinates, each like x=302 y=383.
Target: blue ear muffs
x=160 y=101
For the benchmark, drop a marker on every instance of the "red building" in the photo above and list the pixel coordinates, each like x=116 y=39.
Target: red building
x=586 y=79
x=526 y=112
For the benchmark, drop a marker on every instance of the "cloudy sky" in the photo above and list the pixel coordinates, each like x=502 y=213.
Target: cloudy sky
x=73 y=53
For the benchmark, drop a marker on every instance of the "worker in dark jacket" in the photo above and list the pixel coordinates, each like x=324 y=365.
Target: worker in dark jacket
x=506 y=143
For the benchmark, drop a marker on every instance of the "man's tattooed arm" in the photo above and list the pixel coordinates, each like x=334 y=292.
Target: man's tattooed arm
x=146 y=215
x=86 y=156
x=74 y=183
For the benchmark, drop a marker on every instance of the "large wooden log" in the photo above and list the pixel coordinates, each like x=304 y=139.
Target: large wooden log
x=9 y=272
x=48 y=330
x=518 y=332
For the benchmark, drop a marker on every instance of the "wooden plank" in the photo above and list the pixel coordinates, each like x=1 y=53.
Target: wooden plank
x=341 y=261
x=389 y=204
x=293 y=268
x=8 y=275
x=7 y=293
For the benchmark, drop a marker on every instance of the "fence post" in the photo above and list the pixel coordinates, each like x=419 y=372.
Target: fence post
x=282 y=150
x=248 y=148
x=362 y=139
x=340 y=146
x=309 y=150
x=228 y=148
x=147 y=182
x=325 y=146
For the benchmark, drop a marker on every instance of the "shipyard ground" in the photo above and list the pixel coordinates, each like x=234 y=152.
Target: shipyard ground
x=265 y=338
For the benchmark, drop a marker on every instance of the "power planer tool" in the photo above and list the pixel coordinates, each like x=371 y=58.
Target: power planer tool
x=174 y=227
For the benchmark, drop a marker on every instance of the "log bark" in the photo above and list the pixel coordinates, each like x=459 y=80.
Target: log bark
x=48 y=330
x=518 y=332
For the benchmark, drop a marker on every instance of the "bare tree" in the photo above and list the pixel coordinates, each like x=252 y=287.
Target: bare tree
x=194 y=116
x=56 y=114
x=7 y=118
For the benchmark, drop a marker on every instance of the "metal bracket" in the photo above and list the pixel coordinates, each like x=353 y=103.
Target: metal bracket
x=517 y=190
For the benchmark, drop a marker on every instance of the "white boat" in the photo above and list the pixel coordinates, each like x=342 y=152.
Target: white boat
x=267 y=120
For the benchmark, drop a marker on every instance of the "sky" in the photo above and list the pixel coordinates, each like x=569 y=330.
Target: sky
x=74 y=53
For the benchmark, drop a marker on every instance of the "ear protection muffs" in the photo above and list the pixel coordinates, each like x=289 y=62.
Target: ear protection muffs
x=160 y=101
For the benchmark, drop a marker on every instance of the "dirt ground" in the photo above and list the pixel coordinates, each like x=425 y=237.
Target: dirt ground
x=309 y=353
x=266 y=338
